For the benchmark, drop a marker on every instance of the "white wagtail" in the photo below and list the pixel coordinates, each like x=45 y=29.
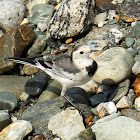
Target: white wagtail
x=70 y=71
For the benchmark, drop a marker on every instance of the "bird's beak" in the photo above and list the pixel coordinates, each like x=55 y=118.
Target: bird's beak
x=92 y=51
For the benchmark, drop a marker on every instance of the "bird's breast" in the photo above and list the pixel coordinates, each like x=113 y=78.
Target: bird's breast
x=91 y=69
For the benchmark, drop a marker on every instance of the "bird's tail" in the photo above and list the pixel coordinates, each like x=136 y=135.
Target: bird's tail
x=39 y=64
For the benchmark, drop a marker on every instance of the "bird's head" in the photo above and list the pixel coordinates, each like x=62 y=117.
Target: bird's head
x=82 y=51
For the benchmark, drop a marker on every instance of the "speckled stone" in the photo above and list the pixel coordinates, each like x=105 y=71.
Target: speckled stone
x=11 y=13
x=71 y=19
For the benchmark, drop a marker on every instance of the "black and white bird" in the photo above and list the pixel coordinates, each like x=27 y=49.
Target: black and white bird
x=70 y=71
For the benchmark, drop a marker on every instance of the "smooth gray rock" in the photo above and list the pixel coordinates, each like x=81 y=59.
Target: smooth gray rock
x=135 y=32
x=8 y=101
x=114 y=66
x=4 y=119
x=11 y=13
x=37 y=47
x=120 y=128
x=36 y=85
x=131 y=113
x=120 y=91
x=97 y=99
x=13 y=83
x=71 y=19
x=52 y=91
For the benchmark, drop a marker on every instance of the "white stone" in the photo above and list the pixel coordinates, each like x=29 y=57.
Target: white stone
x=66 y=124
x=109 y=106
x=123 y=103
x=137 y=103
x=114 y=66
x=120 y=128
x=90 y=86
x=100 y=19
x=11 y=13
x=25 y=21
x=111 y=15
x=42 y=26
x=136 y=68
x=117 y=34
x=16 y=131
x=102 y=88
x=24 y=96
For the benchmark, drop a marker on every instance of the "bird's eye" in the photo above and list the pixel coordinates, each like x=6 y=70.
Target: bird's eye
x=81 y=52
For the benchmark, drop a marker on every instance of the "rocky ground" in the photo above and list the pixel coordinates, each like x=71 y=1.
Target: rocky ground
x=31 y=107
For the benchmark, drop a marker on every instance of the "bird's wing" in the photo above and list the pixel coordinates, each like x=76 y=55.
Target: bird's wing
x=64 y=67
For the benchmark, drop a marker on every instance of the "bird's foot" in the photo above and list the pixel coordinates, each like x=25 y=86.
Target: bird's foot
x=80 y=111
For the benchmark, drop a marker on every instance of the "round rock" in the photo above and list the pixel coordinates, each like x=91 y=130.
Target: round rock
x=11 y=13
x=8 y=101
x=114 y=65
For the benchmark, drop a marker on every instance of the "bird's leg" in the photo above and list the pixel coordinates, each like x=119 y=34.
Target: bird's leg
x=63 y=93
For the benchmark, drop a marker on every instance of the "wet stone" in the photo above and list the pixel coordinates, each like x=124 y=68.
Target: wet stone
x=129 y=12
x=36 y=85
x=97 y=99
x=71 y=19
x=8 y=101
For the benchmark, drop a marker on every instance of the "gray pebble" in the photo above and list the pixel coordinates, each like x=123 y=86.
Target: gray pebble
x=97 y=99
x=4 y=119
x=8 y=100
x=129 y=41
x=36 y=85
x=52 y=91
x=120 y=91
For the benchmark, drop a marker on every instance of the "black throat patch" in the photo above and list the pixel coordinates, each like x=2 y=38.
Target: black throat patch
x=91 y=69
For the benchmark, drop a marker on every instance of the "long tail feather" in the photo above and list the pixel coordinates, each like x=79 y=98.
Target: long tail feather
x=22 y=61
